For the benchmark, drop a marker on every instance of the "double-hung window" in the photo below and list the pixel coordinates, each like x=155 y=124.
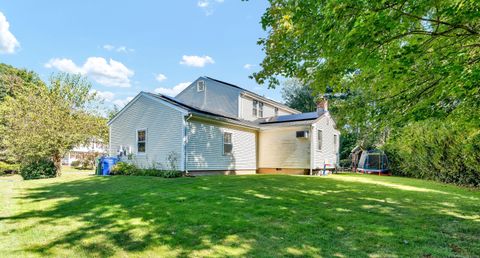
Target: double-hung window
x=141 y=141
x=276 y=111
x=254 y=108
x=319 y=139
x=227 y=143
x=260 y=109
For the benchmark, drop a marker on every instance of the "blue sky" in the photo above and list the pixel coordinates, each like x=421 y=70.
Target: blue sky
x=125 y=47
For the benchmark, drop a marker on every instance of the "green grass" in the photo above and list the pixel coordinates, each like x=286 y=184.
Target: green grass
x=81 y=215
x=73 y=169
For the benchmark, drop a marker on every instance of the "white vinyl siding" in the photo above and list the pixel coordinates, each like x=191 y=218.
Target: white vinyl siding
x=329 y=149
x=165 y=131
x=280 y=148
x=247 y=105
x=205 y=147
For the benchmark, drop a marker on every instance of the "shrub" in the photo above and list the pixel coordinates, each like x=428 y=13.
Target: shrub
x=345 y=163
x=124 y=168
x=75 y=163
x=436 y=150
x=8 y=168
x=128 y=169
x=171 y=173
x=43 y=168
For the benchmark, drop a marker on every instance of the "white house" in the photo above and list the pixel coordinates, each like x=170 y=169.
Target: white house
x=217 y=127
x=94 y=146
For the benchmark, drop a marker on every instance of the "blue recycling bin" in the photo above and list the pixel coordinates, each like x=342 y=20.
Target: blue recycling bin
x=107 y=165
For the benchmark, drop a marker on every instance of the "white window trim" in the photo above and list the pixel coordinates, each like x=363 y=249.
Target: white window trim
x=319 y=143
x=260 y=110
x=223 y=143
x=255 y=107
x=136 y=140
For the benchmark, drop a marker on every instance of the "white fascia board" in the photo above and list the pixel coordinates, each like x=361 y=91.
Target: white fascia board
x=144 y=94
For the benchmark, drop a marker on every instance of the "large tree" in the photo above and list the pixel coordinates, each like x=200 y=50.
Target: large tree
x=298 y=96
x=407 y=65
x=48 y=121
x=406 y=60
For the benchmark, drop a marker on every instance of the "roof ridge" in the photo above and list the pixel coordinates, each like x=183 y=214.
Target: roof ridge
x=249 y=91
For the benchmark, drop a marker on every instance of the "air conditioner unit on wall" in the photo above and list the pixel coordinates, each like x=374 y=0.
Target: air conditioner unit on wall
x=302 y=134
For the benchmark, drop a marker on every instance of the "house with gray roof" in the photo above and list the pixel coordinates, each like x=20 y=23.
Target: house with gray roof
x=215 y=127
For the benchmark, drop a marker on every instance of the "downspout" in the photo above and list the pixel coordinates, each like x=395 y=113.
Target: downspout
x=311 y=149
x=185 y=141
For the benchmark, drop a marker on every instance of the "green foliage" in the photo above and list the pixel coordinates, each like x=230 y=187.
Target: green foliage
x=36 y=169
x=8 y=168
x=125 y=169
x=348 y=141
x=128 y=169
x=438 y=151
x=402 y=60
x=87 y=160
x=13 y=80
x=402 y=63
x=298 y=96
x=76 y=163
x=46 y=122
x=112 y=112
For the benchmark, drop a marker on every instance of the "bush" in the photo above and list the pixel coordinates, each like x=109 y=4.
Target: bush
x=127 y=169
x=8 y=168
x=436 y=150
x=43 y=168
x=124 y=168
x=75 y=163
x=345 y=163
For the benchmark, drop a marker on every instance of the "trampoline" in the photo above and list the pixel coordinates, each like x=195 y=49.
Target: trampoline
x=373 y=162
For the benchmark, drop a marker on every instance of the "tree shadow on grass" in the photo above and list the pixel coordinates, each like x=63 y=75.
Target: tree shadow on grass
x=250 y=216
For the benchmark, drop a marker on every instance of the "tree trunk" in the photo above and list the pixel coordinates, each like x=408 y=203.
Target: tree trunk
x=57 y=161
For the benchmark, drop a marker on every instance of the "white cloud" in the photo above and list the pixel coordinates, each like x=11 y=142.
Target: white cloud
x=104 y=95
x=122 y=102
x=122 y=49
x=108 y=73
x=108 y=47
x=173 y=91
x=248 y=66
x=203 y=3
x=196 y=61
x=160 y=77
x=8 y=42
x=208 y=5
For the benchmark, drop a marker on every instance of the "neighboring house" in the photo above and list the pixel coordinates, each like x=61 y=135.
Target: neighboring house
x=94 y=146
x=217 y=127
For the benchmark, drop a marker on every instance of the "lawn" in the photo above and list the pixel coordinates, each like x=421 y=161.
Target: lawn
x=81 y=215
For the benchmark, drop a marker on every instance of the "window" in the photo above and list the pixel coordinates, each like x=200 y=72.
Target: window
x=141 y=141
x=254 y=108
x=276 y=111
x=335 y=142
x=200 y=86
x=227 y=143
x=319 y=139
x=260 y=109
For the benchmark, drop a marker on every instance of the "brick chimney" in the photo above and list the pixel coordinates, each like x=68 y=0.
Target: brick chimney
x=322 y=105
